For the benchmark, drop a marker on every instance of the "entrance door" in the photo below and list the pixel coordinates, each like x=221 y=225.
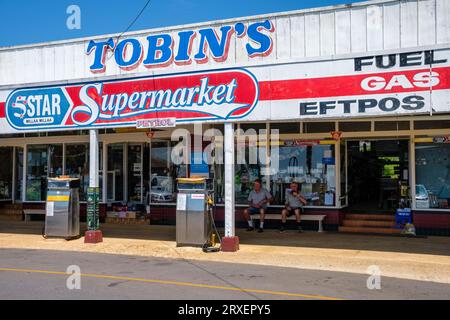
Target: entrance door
x=378 y=174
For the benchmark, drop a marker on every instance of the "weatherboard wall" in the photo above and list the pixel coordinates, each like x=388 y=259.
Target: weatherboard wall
x=314 y=34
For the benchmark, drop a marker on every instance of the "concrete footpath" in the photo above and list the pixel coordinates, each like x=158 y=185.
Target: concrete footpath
x=424 y=259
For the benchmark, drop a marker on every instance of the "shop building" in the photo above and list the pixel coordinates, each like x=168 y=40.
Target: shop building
x=359 y=94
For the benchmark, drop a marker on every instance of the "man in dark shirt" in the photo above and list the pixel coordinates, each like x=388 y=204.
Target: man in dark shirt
x=294 y=205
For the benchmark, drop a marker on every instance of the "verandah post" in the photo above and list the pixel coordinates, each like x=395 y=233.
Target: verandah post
x=93 y=234
x=230 y=242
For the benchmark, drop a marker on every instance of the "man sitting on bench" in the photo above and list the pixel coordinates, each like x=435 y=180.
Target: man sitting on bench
x=294 y=204
x=258 y=200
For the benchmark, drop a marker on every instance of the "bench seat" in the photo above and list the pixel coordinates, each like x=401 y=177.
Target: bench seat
x=304 y=217
x=29 y=212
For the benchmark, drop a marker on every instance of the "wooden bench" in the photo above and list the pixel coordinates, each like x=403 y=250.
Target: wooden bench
x=304 y=217
x=29 y=212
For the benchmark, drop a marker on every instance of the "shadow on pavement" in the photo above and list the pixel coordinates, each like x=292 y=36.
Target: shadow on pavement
x=270 y=237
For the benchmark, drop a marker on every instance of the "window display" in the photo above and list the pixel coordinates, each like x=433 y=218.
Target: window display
x=77 y=165
x=164 y=172
x=55 y=160
x=6 y=158
x=19 y=173
x=37 y=158
x=312 y=165
x=250 y=155
x=115 y=177
x=135 y=172
x=432 y=175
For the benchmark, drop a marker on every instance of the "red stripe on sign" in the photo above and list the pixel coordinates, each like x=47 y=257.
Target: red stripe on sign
x=349 y=85
x=2 y=110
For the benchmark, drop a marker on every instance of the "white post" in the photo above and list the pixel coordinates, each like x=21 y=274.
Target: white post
x=13 y=188
x=24 y=172
x=337 y=172
x=105 y=173
x=93 y=159
x=412 y=171
x=93 y=234
x=229 y=179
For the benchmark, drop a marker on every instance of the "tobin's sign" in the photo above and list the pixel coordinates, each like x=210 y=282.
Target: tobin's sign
x=161 y=50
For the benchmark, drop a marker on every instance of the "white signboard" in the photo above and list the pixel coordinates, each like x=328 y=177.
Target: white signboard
x=181 y=201
x=406 y=83
x=50 y=209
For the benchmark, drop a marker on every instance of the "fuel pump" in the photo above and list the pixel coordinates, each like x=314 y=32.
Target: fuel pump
x=194 y=218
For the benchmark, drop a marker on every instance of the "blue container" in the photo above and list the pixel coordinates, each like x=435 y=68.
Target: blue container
x=403 y=216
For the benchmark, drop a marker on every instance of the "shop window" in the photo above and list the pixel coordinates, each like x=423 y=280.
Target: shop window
x=254 y=126
x=312 y=166
x=55 y=160
x=391 y=125
x=432 y=175
x=431 y=124
x=355 y=126
x=77 y=165
x=318 y=127
x=43 y=161
x=37 y=165
x=115 y=179
x=19 y=173
x=217 y=173
x=6 y=176
x=250 y=158
x=164 y=172
x=286 y=127
x=135 y=183
x=343 y=175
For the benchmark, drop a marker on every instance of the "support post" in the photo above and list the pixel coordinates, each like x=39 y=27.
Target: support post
x=93 y=234
x=230 y=242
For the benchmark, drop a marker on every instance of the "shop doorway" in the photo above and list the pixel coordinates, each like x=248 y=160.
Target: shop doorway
x=378 y=175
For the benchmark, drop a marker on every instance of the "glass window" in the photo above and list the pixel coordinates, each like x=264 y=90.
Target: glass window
x=285 y=127
x=343 y=176
x=355 y=126
x=391 y=125
x=115 y=177
x=55 y=154
x=135 y=172
x=19 y=173
x=432 y=175
x=37 y=158
x=77 y=165
x=310 y=164
x=6 y=159
x=318 y=127
x=250 y=158
x=164 y=172
x=431 y=124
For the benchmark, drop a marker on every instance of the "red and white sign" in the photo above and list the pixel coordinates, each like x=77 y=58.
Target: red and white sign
x=393 y=85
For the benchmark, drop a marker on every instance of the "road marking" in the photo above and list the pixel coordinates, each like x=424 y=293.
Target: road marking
x=176 y=283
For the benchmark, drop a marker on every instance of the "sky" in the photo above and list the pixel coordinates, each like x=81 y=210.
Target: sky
x=30 y=21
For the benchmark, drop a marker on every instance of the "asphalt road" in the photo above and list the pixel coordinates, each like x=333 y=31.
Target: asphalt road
x=41 y=274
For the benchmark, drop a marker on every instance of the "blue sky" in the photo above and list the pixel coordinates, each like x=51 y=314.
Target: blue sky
x=28 y=21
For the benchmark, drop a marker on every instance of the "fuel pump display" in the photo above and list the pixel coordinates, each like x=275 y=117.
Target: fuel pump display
x=62 y=208
x=194 y=219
